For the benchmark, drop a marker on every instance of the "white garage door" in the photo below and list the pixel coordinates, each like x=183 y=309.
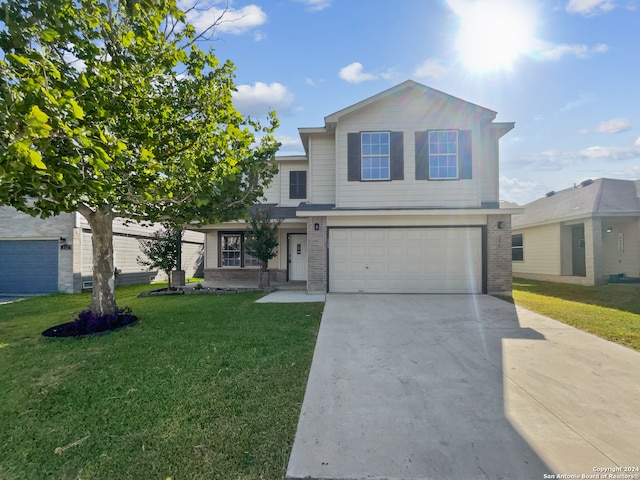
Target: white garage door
x=405 y=260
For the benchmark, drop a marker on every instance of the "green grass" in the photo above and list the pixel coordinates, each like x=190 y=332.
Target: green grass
x=203 y=387
x=610 y=311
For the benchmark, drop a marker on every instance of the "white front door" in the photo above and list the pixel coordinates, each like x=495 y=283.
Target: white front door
x=298 y=257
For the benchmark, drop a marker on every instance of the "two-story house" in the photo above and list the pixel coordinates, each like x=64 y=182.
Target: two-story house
x=395 y=194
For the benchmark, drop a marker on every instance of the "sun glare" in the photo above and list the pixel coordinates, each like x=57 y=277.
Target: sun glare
x=494 y=33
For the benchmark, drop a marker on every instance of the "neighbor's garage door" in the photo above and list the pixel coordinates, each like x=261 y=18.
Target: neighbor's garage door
x=28 y=266
x=405 y=260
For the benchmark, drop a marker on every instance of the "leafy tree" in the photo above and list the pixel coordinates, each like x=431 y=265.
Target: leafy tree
x=261 y=240
x=161 y=251
x=111 y=108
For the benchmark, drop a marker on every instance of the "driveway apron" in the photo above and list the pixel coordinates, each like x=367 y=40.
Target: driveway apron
x=462 y=386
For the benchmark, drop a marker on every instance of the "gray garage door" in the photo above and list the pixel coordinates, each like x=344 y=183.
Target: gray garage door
x=28 y=266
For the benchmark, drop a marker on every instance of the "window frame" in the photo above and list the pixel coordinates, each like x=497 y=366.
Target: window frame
x=370 y=156
x=298 y=185
x=515 y=247
x=443 y=155
x=246 y=260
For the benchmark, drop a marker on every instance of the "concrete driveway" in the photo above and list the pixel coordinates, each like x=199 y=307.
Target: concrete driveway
x=462 y=387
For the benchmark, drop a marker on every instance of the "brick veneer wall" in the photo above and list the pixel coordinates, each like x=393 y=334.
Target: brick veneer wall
x=230 y=275
x=499 y=276
x=317 y=254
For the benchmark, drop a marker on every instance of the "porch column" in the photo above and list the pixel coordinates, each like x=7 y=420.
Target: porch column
x=317 y=255
x=499 y=271
x=594 y=254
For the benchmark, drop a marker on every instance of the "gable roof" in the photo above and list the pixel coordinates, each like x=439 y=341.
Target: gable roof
x=408 y=85
x=404 y=88
x=601 y=197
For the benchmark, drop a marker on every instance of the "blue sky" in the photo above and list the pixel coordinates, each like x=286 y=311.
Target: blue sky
x=567 y=72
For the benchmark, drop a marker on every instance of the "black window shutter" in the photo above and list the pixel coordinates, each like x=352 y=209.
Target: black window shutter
x=422 y=155
x=353 y=157
x=297 y=184
x=464 y=154
x=397 y=156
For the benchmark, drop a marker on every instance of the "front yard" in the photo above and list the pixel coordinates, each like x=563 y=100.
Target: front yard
x=203 y=387
x=610 y=311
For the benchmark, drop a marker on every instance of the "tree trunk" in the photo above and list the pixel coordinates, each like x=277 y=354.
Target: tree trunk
x=263 y=279
x=103 y=300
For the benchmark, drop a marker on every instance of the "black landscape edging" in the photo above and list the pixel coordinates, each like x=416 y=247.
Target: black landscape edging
x=79 y=329
x=204 y=291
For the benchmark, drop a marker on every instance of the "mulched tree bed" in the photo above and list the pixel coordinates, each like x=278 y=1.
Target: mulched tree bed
x=89 y=324
x=203 y=290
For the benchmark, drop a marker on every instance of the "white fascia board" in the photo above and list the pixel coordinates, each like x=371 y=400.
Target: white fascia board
x=237 y=224
x=412 y=212
x=582 y=216
x=291 y=158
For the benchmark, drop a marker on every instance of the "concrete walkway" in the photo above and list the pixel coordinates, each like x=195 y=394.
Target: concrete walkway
x=290 y=296
x=462 y=387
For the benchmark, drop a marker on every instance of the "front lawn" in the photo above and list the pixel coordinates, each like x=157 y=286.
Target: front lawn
x=610 y=311
x=203 y=387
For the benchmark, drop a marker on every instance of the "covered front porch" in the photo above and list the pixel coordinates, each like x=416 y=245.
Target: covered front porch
x=228 y=265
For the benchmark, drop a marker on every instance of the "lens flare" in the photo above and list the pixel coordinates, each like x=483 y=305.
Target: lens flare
x=494 y=33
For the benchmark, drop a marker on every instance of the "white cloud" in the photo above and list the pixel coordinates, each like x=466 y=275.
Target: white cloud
x=258 y=36
x=229 y=20
x=353 y=73
x=583 y=99
x=430 y=68
x=590 y=7
x=260 y=98
x=314 y=83
x=557 y=159
x=615 y=125
x=316 y=5
x=289 y=144
x=519 y=191
x=390 y=74
x=75 y=62
x=554 y=53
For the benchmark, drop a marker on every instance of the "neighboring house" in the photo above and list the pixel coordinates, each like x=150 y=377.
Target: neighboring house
x=580 y=235
x=397 y=193
x=54 y=254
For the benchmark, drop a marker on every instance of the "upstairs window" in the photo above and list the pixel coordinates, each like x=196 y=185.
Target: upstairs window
x=297 y=184
x=517 y=247
x=443 y=155
x=375 y=155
